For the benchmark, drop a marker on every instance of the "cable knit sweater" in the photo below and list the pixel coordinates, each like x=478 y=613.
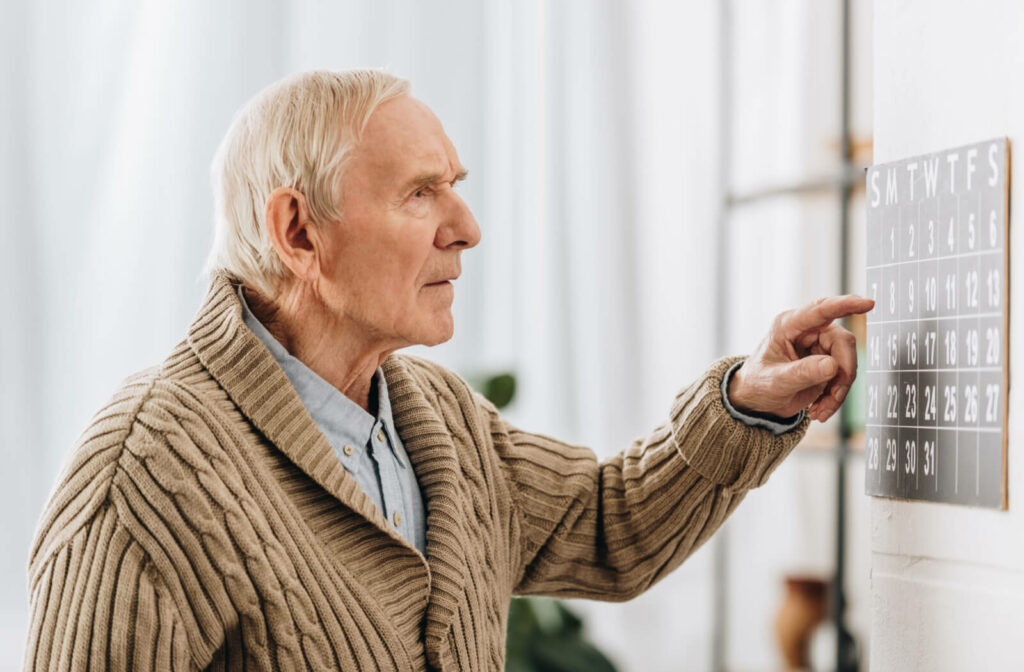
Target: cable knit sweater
x=203 y=521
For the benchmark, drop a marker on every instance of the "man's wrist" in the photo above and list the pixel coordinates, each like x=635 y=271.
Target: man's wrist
x=734 y=388
x=773 y=423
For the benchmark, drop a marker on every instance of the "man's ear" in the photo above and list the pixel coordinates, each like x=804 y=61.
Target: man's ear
x=289 y=227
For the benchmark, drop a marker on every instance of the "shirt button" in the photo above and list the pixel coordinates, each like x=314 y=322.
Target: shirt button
x=397 y=519
x=348 y=449
x=380 y=434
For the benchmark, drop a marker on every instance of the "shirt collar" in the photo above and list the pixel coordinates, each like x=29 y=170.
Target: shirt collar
x=341 y=420
x=384 y=406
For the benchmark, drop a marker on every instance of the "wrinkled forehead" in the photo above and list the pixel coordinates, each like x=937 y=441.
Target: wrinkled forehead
x=404 y=136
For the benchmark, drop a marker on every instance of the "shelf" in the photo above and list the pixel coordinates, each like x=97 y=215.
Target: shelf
x=824 y=443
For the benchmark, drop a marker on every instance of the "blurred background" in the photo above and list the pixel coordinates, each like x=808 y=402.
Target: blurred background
x=654 y=182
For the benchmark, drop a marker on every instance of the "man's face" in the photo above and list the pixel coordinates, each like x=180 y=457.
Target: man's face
x=388 y=263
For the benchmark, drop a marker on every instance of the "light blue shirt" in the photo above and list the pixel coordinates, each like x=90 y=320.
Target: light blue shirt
x=369 y=447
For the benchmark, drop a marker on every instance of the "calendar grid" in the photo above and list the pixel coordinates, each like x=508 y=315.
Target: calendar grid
x=937 y=318
x=952 y=256
x=936 y=266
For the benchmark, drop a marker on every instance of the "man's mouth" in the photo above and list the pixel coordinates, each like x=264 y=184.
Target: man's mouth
x=446 y=281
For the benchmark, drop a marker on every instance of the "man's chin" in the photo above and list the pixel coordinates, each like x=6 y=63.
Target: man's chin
x=440 y=338
x=441 y=331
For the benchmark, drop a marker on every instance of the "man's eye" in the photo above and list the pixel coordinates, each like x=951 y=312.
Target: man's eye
x=419 y=193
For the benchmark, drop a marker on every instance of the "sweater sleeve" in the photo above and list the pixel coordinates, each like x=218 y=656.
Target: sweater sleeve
x=610 y=530
x=107 y=583
x=96 y=603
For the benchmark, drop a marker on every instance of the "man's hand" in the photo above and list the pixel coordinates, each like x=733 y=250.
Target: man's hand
x=804 y=360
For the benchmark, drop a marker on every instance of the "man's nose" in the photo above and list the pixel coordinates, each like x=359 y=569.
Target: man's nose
x=460 y=228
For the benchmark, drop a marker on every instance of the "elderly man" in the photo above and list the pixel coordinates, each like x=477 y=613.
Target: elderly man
x=284 y=492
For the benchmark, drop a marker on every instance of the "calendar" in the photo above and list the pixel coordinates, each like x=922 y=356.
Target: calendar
x=937 y=359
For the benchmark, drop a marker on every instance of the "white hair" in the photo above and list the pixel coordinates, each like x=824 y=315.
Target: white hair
x=298 y=133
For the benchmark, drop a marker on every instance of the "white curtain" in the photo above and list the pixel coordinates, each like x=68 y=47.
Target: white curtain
x=589 y=129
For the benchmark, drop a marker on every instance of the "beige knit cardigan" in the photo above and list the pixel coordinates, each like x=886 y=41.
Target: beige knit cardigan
x=204 y=521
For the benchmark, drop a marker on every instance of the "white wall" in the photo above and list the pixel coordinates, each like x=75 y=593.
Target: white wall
x=947 y=582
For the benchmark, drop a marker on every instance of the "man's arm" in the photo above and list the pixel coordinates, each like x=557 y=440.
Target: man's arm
x=111 y=585
x=610 y=530
x=97 y=603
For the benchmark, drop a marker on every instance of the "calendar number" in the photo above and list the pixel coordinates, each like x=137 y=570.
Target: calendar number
x=929 y=403
x=971 y=347
x=949 y=411
x=929 y=294
x=892 y=405
x=950 y=341
x=970 y=404
x=873 y=453
x=912 y=348
x=929 y=348
x=992 y=281
x=928 y=450
x=971 y=289
x=890 y=454
x=991 y=403
x=991 y=346
x=911 y=394
x=910 y=462
x=951 y=292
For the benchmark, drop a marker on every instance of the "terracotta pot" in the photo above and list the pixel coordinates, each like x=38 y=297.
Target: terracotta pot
x=804 y=606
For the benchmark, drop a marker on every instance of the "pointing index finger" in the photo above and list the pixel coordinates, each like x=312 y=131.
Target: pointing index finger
x=822 y=312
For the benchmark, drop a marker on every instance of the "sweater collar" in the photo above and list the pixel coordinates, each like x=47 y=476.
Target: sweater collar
x=431 y=449
x=341 y=420
x=256 y=383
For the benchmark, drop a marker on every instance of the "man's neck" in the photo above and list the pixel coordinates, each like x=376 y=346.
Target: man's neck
x=329 y=349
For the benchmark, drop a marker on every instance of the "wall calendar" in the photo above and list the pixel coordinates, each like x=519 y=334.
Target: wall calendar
x=937 y=357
